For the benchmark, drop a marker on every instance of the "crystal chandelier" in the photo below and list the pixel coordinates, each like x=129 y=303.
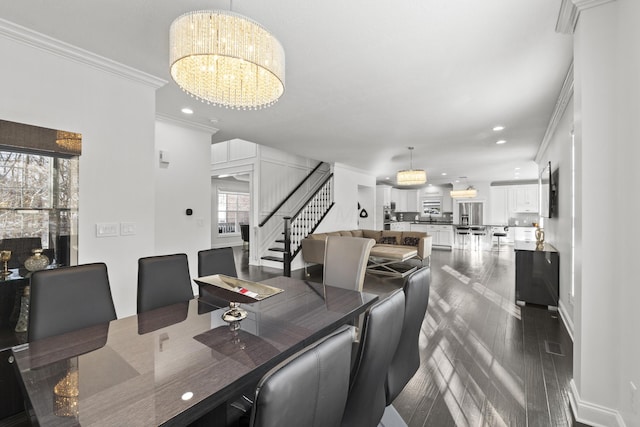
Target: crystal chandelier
x=226 y=59
x=411 y=176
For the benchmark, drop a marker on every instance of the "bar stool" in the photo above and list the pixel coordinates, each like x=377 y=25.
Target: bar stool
x=500 y=234
x=463 y=231
x=478 y=231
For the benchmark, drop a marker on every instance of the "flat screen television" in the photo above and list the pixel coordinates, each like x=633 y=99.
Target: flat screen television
x=546 y=186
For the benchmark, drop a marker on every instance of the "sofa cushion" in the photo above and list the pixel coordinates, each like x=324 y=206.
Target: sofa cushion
x=414 y=234
x=387 y=240
x=347 y=233
x=372 y=234
x=317 y=236
x=396 y=234
x=357 y=233
x=410 y=241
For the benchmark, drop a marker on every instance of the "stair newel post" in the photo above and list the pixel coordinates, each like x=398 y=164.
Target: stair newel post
x=287 y=246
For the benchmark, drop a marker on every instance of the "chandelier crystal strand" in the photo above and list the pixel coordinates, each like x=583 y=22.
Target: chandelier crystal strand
x=226 y=59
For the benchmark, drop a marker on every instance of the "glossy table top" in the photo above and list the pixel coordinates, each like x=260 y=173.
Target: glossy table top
x=172 y=365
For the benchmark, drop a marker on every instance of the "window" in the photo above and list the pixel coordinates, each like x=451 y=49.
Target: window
x=38 y=198
x=233 y=210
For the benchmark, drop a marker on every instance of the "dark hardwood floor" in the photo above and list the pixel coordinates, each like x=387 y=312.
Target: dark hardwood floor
x=485 y=360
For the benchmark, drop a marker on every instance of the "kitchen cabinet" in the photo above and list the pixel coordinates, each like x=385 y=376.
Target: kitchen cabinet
x=412 y=201
x=525 y=234
x=442 y=235
x=527 y=198
x=447 y=201
x=406 y=200
x=400 y=226
x=508 y=200
x=383 y=195
x=499 y=205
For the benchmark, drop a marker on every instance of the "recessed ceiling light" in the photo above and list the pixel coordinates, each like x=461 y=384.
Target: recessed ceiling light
x=213 y=120
x=498 y=128
x=444 y=173
x=457 y=180
x=187 y=110
x=501 y=141
x=387 y=178
x=187 y=396
x=517 y=169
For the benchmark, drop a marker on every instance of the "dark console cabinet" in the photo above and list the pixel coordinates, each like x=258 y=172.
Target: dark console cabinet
x=537 y=274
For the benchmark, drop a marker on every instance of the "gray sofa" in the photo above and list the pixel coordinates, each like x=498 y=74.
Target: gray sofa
x=396 y=246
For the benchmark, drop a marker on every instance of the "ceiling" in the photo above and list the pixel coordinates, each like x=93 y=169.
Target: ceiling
x=365 y=79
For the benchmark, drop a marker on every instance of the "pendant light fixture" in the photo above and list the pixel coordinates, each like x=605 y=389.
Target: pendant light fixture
x=469 y=193
x=226 y=59
x=411 y=176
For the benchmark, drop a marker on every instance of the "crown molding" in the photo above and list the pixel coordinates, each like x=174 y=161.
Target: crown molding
x=31 y=38
x=186 y=123
x=570 y=11
x=588 y=4
x=561 y=106
x=567 y=17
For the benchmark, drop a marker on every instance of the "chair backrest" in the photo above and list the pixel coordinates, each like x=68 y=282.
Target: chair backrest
x=406 y=359
x=345 y=261
x=69 y=298
x=163 y=280
x=244 y=232
x=217 y=261
x=378 y=341
x=309 y=389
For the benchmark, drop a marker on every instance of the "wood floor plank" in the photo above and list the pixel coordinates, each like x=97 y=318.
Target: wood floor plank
x=483 y=359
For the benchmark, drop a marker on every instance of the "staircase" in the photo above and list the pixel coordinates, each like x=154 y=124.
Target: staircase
x=296 y=227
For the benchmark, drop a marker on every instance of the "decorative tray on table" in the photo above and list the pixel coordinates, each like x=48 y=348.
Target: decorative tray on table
x=235 y=291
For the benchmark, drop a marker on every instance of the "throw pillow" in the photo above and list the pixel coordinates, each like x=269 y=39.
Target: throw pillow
x=388 y=240
x=411 y=241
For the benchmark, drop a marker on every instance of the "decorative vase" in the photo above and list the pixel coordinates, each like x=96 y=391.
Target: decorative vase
x=37 y=261
x=23 y=318
x=539 y=237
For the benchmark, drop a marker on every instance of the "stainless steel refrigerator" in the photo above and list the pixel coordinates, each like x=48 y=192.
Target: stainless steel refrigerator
x=470 y=213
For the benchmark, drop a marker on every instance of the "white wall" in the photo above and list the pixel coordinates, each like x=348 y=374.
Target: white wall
x=116 y=116
x=606 y=315
x=558 y=228
x=344 y=215
x=183 y=183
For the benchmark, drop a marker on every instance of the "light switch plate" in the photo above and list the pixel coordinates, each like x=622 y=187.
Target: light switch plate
x=127 y=229
x=106 y=229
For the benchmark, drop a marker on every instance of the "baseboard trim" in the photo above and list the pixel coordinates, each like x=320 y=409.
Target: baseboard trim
x=566 y=319
x=592 y=414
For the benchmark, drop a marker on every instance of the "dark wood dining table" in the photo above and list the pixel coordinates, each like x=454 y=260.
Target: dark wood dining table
x=172 y=365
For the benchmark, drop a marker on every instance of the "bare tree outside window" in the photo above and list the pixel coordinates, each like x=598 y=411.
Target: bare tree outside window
x=38 y=196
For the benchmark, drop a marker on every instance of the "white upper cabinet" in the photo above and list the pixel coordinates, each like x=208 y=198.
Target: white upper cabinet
x=511 y=199
x=383 y=195
x=527 y=198
x=499 y=205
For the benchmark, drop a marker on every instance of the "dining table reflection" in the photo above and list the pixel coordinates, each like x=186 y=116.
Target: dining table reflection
x=172 y=365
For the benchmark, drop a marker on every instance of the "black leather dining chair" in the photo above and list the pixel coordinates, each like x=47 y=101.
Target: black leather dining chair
x=378 y=342
x=217 y=261
x=163 y=280
x=308 y=389
x=69 y=298
x=406 y=359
